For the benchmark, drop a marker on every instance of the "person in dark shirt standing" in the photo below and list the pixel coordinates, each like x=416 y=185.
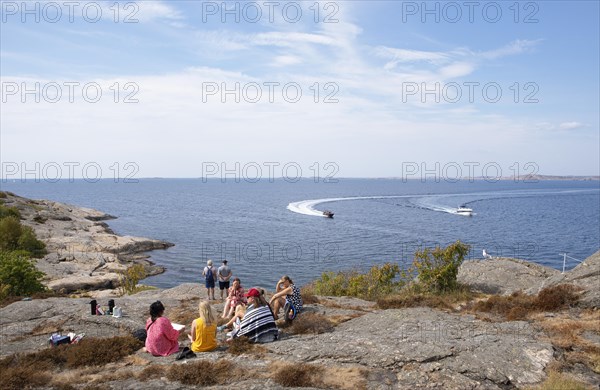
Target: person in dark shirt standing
x=223 y=275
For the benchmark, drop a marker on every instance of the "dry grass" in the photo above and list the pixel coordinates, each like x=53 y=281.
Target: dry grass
x=308 y=296
x=560 y=381
x=48 y=327
x=514 y=307
x=88 y=352
x=334 y=305
x=519 y=306
x=67 y=379
x=298 y=375
x=310 y=375
x=19 y=377
x=109 y=374
x=97 y=352
x=241 y=345
x=185 y=313
x=38 y=295
x=566 y=333
x=557 y=297
x=310 y=323
x=152 y=372
x=413 y=297
x=205 y=373
x=95 y=386
x=338 y=319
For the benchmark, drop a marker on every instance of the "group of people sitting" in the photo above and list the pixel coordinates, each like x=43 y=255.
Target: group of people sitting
x=251 y=316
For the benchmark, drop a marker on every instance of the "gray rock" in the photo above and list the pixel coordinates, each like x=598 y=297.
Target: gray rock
x=94 y=252
x=503 y=276
x=425 y=346
x=409 y=348
x=26 y=325
x=585 y=276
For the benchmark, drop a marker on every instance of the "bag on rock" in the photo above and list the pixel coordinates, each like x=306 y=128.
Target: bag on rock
x=140 y=334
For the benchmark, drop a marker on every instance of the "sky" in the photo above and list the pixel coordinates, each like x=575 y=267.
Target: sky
x=275 y=88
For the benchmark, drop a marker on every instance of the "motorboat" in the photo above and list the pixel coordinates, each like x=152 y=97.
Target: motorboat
x=464 y=210
x=328 y=214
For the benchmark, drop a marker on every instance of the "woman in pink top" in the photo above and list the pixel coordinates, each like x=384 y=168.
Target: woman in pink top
x=235 y=297
x=161 y=339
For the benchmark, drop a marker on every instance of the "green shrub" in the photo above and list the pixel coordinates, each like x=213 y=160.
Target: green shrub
x=129 y=279
x=14 y=236
x=4 y=291
x=9 y=212
x=437 y=269
x=10 y=232
x=377 y=282
x=29 y=242
x=18 y=275
x=333 y=284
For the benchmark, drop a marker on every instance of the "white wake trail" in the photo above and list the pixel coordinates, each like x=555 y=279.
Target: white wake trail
x=307 y=207
x=429 y=201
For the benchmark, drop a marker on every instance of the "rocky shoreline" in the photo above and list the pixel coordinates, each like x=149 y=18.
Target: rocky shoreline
x=363 y=346
x=83 y=252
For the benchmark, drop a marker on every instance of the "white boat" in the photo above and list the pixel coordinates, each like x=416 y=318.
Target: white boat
x=464 y=210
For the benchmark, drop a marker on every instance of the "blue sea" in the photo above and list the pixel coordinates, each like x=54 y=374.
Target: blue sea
x=268 y=229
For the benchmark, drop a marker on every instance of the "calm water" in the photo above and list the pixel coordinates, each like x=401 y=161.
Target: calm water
x=250 y=225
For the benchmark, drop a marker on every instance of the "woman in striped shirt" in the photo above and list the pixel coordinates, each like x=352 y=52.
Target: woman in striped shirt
x=258 y=323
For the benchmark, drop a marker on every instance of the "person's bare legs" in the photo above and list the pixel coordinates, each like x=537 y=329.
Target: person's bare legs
x=226 y=308
x=278 y=304
x=212 y=291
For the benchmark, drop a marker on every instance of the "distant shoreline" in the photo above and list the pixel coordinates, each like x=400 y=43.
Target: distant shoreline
x=526 y=178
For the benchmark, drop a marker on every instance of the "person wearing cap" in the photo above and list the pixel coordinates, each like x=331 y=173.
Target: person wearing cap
x=223 y=275
x=286 y=288
x=210 y=274
x=258 y=323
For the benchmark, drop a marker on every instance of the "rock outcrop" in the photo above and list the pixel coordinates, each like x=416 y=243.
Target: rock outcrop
x=505 y=276
x=400 y=348
x=83 y=252
x=585 y=276
x=423 y=346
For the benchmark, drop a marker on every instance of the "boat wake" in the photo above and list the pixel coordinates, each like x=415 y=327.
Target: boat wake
x=428 y=202
x=307 y=207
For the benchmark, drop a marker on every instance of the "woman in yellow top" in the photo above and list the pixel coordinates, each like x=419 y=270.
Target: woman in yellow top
x=204 y=329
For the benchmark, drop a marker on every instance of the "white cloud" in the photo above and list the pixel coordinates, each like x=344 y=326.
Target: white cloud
x=563 y=126
x=398 y=56
x=515 y=47
x=289 y=39
x=570 y=125
x=286 y=60
x=152 y=10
